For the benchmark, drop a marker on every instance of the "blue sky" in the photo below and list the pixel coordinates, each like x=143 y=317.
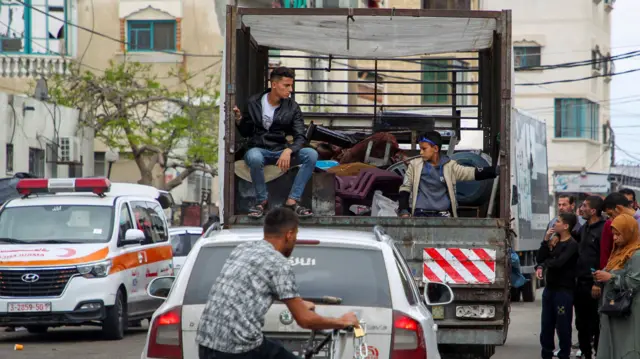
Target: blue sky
x=625 y=90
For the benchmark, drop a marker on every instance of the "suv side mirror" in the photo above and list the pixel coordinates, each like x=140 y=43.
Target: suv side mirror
x=133 y=236
x=160 y=287
x=437 y=293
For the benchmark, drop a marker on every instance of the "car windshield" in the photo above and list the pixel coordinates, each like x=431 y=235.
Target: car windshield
x=182 y=243
x=56 y=224
x=358 y=276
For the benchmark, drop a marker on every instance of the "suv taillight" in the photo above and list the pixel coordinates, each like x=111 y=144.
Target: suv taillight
x=407 y=340
x=165 y=336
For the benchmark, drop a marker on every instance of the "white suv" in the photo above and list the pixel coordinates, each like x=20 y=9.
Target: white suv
x=364 y=269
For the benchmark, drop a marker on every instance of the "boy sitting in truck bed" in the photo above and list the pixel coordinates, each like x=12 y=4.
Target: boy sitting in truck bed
x=430 y=181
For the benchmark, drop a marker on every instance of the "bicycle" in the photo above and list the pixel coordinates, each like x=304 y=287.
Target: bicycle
x=360 y=348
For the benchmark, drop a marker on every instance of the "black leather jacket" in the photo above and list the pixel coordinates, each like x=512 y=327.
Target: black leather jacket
x=287 y=121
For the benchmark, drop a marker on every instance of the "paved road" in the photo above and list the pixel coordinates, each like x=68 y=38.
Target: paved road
x=85 y=342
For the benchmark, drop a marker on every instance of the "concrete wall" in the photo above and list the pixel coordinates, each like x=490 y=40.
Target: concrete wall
x=27 y=126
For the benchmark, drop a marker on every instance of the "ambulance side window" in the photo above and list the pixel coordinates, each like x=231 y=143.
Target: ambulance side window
x=125 y=222
x=144 y=221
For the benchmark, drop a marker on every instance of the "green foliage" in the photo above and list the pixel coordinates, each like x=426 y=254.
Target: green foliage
x=130 y=109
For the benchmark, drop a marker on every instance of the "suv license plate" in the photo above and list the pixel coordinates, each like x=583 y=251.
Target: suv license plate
x=29 y=307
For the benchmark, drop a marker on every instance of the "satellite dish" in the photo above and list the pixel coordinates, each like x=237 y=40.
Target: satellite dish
x=42 y=90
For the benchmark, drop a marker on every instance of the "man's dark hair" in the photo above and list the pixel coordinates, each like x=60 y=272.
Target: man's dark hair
x=616 y=199
x=595 y=202
x=432 y=136
x=570 y=219
x=279 y=72
x=571 y=198
x=279 y=221
x=628 y=191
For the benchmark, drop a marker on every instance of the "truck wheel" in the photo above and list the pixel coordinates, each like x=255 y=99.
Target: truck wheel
x=37 y=329
x=529 y=289
x=515 y=294
x=115 y=324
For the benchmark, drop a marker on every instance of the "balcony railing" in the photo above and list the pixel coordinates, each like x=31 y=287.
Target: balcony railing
x=33 y=65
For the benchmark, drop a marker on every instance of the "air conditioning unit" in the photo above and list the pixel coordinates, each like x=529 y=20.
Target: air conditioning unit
x=69 y=149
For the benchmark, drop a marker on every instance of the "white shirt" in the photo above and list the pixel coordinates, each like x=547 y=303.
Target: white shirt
x=268 y=111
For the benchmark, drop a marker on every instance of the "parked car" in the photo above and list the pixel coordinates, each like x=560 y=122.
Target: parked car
x=363 y=269
x=182 y=240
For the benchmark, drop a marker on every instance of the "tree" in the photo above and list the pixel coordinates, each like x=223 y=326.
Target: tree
x=131 y=110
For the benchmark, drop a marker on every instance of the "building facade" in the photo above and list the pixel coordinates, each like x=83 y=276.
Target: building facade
x=39 y=37
x=547 y=33
x=30 y=128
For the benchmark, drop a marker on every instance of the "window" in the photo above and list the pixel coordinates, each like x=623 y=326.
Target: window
x=144 y=221
x=158 y=224
x=9 y=155
x=527 y=56
x=35 y=28
x=125 y=222
x=152 y=35
x=446 y=4
x=182 y=243
x=577 y=118
x=363 y=280
x=435 y=71
x=63 y=223
x=99 y=164
x=36 y=162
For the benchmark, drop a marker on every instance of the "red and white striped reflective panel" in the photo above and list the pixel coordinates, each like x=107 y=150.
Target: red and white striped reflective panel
x=459 y=265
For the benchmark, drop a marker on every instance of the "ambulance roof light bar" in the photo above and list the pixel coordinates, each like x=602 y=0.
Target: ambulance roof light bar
x=28 y=186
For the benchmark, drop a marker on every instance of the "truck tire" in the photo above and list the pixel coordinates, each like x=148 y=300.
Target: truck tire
x=529 y=289
x=514 y=294
x=115 y=324
x=471 y=193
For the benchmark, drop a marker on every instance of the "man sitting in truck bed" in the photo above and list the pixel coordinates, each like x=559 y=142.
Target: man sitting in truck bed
x=430 y=181
x=269 y=118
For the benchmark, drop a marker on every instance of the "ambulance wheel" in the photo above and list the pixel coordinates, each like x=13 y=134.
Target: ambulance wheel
x=115 y=324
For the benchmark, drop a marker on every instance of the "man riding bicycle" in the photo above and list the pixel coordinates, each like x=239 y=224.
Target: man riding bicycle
x=255 y=274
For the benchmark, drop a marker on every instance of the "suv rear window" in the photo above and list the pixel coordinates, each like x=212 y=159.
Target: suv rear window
x=358 y=276
x=182 y=243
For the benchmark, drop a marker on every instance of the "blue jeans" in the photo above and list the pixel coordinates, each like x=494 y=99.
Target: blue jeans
x=257 y=158
x=557 y=317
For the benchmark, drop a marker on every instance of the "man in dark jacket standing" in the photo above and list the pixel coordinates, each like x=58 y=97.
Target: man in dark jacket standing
x=587 y=291
x=269 y=118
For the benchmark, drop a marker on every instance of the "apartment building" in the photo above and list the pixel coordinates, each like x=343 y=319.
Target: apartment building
x=545 y=33
x=38 y=37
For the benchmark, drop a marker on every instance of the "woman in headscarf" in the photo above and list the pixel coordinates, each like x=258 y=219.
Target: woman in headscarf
x=620 y=337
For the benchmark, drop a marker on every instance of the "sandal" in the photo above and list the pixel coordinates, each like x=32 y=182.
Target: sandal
x=301 y=211
x=258 y=210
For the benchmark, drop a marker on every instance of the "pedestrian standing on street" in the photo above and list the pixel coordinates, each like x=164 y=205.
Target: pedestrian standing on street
x=255 y=274
x=271 y=116
x=557 y=257
x=614 y=204
x=566 y=204
x=631 y=196
x=620 y=336
x=587 y=290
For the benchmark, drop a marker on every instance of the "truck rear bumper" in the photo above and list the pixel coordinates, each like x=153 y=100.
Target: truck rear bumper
x=471 y=336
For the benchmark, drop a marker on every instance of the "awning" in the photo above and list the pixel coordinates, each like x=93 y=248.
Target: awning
x=371 y=36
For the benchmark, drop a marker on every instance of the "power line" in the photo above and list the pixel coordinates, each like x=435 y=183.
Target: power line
x=107 y=36
x=577 y=79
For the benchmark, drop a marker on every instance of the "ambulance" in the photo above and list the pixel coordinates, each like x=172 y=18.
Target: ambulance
x=81 y=251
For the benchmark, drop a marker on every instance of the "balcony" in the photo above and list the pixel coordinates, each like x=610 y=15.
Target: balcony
x=33 y=66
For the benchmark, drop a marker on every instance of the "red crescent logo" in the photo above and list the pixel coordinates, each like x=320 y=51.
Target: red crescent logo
x=70 y=252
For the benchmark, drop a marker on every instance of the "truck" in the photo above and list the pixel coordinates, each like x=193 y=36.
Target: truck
x=470 y=253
